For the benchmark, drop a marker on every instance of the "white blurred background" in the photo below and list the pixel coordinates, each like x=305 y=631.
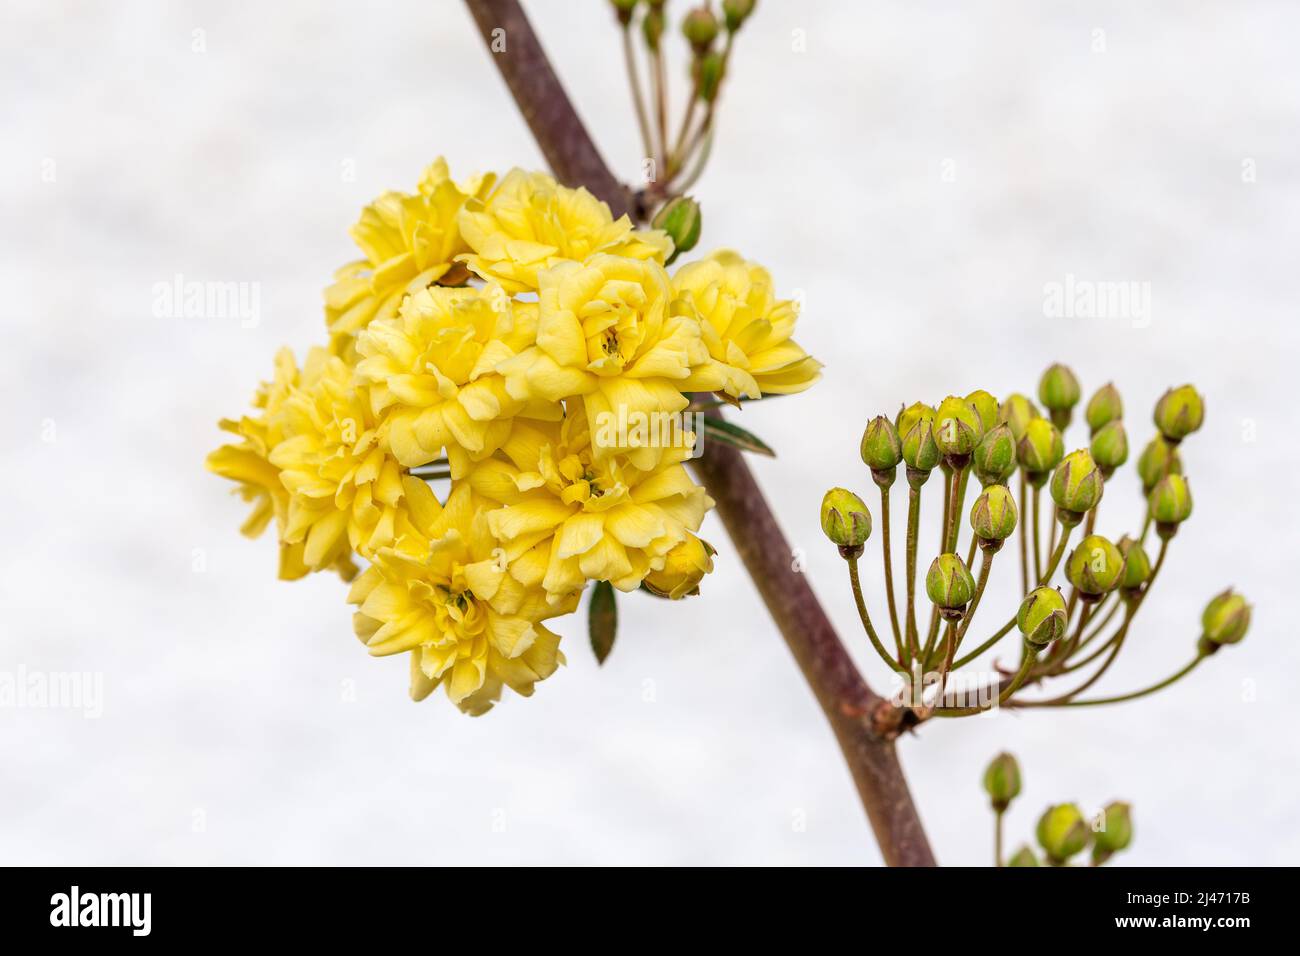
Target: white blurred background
x=917 y=171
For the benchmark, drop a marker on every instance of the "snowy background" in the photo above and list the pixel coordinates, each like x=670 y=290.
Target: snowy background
x=917 y=171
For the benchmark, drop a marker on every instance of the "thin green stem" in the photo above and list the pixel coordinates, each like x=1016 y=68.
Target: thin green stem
x=1125 y=697
x=1026 y=665
x=1038 y=566
x=1024 y=536
x=638 y=97
x=889 y=573
x=913 y=527
x=866 y=618
x=997 y=837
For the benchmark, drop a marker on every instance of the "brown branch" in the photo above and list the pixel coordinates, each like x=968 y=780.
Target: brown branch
x=555 y=124
x=864 y=723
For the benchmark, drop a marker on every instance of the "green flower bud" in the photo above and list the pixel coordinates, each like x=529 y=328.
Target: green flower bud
x=680 y=218
x=1171 y=504
x=624 y=9
x=1158 y=459
x=1076 y=487
x=1137 y=564
x=1059 y=392
x=949 y=585
x=1042 y=618
x=1018 y=411
x=1104 y=407
x=1115 y=832
x=1062 y=832
x=700 y=27
x=919 y=448
x=736 y=12
x=993 y=518
x=957 y=427
x=987 y=407
x=1040 y=450
x=909 y=416
x=995 y=456
x=1095 y=567
x=881 y=448
x=711 y=66
x=845 y=520
x=1023 y=857
x=1110 y=447
x=1226 y=618
x=1002 y=781
x=1179 y=412
x=652 y=27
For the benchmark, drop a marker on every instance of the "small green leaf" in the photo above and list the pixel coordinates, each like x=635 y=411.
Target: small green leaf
x=602 y=620
x=729 y=434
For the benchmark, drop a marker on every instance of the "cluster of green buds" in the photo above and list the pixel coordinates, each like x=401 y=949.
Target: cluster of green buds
x=1063 y=832
x=1078 y=603
x=709 y=32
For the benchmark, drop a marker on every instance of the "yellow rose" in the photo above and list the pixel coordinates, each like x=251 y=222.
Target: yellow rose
x=746 y=328
x=441 y=593
x=684 y=568
x=432 y=373
x=530 y=222
x=408 y=241
x=605 y=333
x=569 y=517
x=344 y=488
x=248 y=463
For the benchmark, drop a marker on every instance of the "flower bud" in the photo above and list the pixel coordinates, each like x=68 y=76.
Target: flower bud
x=957 y=427
x=1115 y=832
x=1042 y=618
x=993 y=518
x=919 y=448
x=1023 y=857
x=1171 y=504
x=909 y=416
x=949 y=585
x=711 y=66
x=1179 y=412
x=700 y=27
x=1040 y=450
x=1104 y=407
x=1137 y=564
x=1059 y=392
x=881 y=449
x=624 y=9
x=1226 y=618
x=846 y=521
x=1095 y=567
x=736 y=12
x=1158 y=459
x=1076 y=487
x=986 y=406
x=1062 y=832
x=1018 y=411
x=1109 y=447
x=652 y=28
x=995 y=456
x=684 y=567
x=680 y=218
x=1002 y=781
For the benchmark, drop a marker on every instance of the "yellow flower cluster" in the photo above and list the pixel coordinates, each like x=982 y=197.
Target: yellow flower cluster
x=503 y=334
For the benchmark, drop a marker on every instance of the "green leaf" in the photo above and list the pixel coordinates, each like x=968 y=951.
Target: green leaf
x=724 y=431
x=602 y=620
